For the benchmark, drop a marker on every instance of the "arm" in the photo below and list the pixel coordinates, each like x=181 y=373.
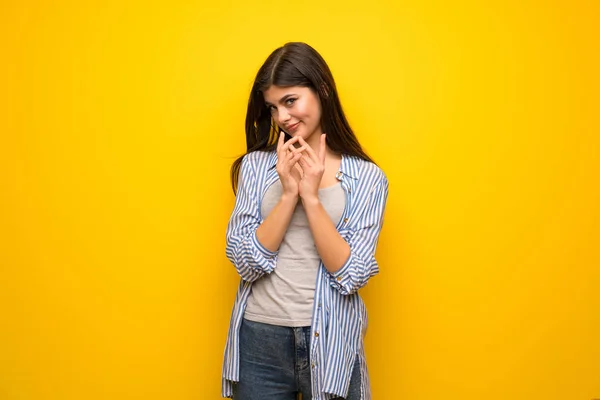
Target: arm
x=332 y=248
x=350 y=260
x=252 y=242
x=271 y=232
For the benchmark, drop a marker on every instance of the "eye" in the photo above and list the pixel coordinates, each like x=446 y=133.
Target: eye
x=290 y=101
x=271 y=109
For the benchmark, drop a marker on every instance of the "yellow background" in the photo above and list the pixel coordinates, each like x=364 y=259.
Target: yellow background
x=119 y=121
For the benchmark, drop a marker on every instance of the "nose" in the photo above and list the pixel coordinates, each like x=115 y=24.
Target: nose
x=282 y=115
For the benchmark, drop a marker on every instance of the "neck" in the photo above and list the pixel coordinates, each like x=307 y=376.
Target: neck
x=314 y=140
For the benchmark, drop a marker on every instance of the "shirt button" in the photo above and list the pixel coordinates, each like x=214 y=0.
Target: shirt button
x=338 y=175
x=316 y=334
x=345 y=220
x=314 y=365
x=339 y=278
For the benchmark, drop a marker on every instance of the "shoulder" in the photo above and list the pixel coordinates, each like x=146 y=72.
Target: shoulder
x=258 y=160
x=368 y=172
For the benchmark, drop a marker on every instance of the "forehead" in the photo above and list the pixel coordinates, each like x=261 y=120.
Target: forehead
x=274 y=94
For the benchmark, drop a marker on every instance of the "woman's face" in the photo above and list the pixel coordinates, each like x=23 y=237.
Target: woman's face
x=296 y=109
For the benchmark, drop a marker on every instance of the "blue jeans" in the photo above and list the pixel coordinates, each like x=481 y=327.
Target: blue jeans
x=275 y=364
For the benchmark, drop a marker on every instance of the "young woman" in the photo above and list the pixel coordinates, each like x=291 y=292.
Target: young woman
x=308 y=213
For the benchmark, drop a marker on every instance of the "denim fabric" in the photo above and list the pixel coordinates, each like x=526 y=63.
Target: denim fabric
x=275 y=364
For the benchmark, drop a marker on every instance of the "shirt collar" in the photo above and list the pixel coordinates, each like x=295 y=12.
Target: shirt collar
x=349 y=165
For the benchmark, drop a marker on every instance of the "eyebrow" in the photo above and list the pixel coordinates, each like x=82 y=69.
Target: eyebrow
x=284 y=98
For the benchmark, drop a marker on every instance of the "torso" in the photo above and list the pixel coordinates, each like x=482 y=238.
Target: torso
x=332 y=166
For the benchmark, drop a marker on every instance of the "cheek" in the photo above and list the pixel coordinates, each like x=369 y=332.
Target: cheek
x=308 y=112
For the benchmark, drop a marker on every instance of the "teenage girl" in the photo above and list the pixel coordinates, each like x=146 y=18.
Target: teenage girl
x=302 y=236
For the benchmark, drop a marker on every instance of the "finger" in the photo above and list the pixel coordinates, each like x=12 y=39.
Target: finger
x=289 y=156
x=290 y=143
x=299 y=169
x=281 y=154
x=284 y=145
x=297 y=149
x=292 y=156
x=309 y=150
x=305 y=160
x=323 y=149
x=284 y=161
x=292 y=162
x=280 y=141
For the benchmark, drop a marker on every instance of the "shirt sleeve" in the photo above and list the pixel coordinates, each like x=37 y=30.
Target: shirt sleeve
x=361 y=264
x=251 y=259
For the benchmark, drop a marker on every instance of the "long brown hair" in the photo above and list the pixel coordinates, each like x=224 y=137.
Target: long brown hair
x=296 y=64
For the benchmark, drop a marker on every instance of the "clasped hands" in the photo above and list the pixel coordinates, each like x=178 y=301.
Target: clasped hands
x=300 y=169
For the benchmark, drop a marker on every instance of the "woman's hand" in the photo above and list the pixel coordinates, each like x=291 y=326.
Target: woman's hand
x=313 y=167
x=287 y=159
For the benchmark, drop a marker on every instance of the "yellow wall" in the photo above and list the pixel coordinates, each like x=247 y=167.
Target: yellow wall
x=119 y=121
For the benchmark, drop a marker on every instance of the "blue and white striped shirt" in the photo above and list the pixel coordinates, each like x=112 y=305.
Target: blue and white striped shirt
x=339 y=318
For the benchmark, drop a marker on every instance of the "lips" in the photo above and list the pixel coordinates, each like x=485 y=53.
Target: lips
x=292 y=128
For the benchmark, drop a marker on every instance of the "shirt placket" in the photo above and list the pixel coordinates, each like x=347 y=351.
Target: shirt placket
x=347 y=184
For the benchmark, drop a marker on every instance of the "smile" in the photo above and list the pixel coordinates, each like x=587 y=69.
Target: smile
x=292 y=128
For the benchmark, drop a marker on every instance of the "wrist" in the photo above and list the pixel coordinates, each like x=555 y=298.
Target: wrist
x=287 y=198
x=310 y=200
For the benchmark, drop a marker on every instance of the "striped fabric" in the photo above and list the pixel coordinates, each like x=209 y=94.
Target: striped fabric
x=339 y=319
